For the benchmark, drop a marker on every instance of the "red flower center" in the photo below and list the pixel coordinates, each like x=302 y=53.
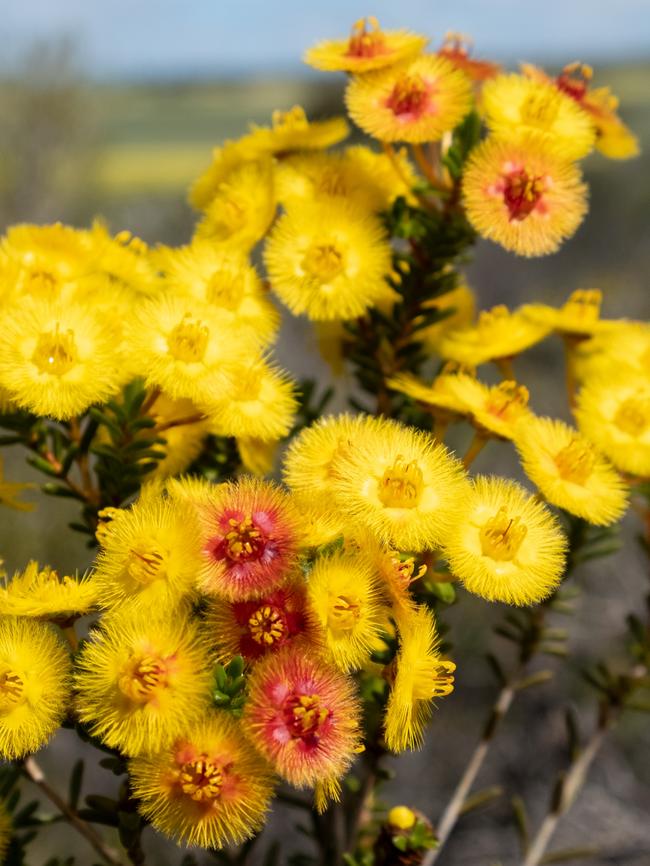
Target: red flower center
x=521 y=193
x=267 y=625
x=574 y=80
x=365 y=41
x=304 y=716
x=244 y=541
x=409 y=97
x=201 y=779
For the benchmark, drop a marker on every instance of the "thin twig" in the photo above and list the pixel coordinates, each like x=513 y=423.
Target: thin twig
x=36 y=775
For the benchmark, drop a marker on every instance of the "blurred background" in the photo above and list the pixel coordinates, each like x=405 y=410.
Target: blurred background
x=112 y=110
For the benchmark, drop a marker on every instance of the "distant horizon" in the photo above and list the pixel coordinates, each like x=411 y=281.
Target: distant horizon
x=171 y=40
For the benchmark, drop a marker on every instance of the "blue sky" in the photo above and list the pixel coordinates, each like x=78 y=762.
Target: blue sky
x=153 y=38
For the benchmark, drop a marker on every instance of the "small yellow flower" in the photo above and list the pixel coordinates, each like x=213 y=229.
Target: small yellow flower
x=343 y=602
x=142 y=679
x=41 y=592
x=329 y=259
x=420 y=676
x=570 y=472
x=520 y=193
x=291 y=131
x=242 y=208
x=615 y=415
x=459 y=307
x=507 y=546
x=258 y=456
x=208 y=789
x=402 y=817
x=150 y=553
x=34 y=685
x=579 y=317
x=624 y=346
x=124 y=260
x=400 y=485
x=515 y=104
x=498 y=333
x=58 y=360
x=183 y=437
x=441 y=397
x=367 y=49
x=10 y=491
x=415 y=101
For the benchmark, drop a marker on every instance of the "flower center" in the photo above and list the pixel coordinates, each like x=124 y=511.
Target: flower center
x=142 y=677
x=223 y=290
x=538 y=109
x=188 y=340
x=248 y=385
x=507 y=397
x=42 y=283
x=267 y=625
x=575 y=462
x=521 y=194
x=433 y=678
x=409 y=97
x=501 y=536
x=401 y=485
x=343 y=613
x=584 y=304
x=304 y=716
x=633 y=415
x=55 y=352
x=324 y=262
x=12 y=689
x=494 y=321
x=202 y=779
x=145 y=565
x=574 y=80
x=290 y=121
x=366 y=39
x=232 y=215
x=244 y=540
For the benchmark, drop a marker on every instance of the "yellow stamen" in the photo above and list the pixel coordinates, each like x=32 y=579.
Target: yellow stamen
x=267 y=625
x=188 y=340
x=633 y=416
x=501 y=536
x=343 y=613
x=433 y=678
x=143 y=676
x=584 y=304
x=55 y=352
x=12 y=689
x=323 y=262
x=244 y=540
x=401 y=485
x=146 y=564
x=202 y=779
x=575 y=462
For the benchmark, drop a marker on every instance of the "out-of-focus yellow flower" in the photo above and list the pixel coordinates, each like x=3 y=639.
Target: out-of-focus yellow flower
x=441 y=397
x=329 y=259
x=613 y=138
x=615 y=415
x=507 y=546
x=459 y=306
x=208 y=789
x=343 y=602
x=224 y=279
x=58 y=360
x=150 y=554
x=514 y=104
x=521 y=194
x=579 y=317
x=183 y=428
x=41 y=592
x=624 y=346
x=495 y=410
x=242 y=208
x=570 y=472
x=402 y=817
x=367 y=49
x=291 y=131
x=10 y=491
x=415 y=101
x=420 y=676
x=400 y=485
x=456 y=47
x=124 y=260
x=251 y=399
x=498 y=333
x=257 y=455
x=34 y=685
x=320 y=521
x=142 y=679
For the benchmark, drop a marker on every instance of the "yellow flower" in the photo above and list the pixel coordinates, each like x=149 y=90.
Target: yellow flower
x=182 y=441
x=515 y=104
x=368 y=48
x=401 y=485
x=292 y=131
x=420 y=675
x=320 y=521
x=518 y=192
x=614 y=414
x=225 y=160
x=498 y=333
x=242 y=208
x=257 y=455
x=507 y=546
x=415 y=101
x=344 y=604
x=209 y=789
x=34 y=685
x=579 y=317
x=570 y=472
x=328 y=259
x=622 y=346
x=125 y=261
x=255 y=400
x=40 y=592
x=225 y=280
x=10 y=490
x=142 y=679
x=58 y=360
x=178 y=342
x=459 y=306
x=150 y=553
x=457 y=48
x=613 y=138
x=441 y=397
